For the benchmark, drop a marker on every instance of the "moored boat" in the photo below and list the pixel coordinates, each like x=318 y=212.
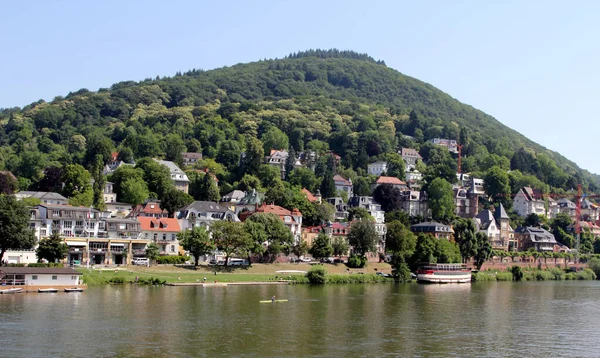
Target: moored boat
x=444 y=273
x=74 y=289
x=11 y=290
x=47 y=290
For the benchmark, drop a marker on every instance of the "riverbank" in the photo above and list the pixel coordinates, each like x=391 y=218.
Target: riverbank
x=257 y=273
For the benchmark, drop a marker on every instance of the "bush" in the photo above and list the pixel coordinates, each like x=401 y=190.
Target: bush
x=15 y=265
x=151 y=281
x=317 y=275
x=483 y=277
x=543 y=275
x=557 y=273
x=172 y=260
x=51 y=264
x=116 y=281
x=504 y=276
x=594 y=265
x=355 y=261
x=299 y=279
x=358 y=278
x=586 y=274
x=570 y=276
x=517 y=273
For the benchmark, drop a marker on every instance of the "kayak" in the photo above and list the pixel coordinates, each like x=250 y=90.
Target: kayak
x=269 y=301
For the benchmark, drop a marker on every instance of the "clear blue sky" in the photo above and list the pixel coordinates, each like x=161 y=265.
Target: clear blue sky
x=531 y=64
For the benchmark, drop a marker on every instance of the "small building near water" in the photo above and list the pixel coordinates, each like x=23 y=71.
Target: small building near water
x=39 y=277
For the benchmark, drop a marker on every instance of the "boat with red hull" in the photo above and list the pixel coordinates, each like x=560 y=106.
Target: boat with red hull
x=443 y=273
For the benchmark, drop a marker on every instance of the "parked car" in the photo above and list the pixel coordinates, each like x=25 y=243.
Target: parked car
x=305 y=259
x=238 y=262
x=338 y=261
x=141 y=261
x=383 y=274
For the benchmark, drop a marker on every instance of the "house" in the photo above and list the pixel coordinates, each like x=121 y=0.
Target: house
x=178 y=176
x=377 y=168
x=395 y=182
x=278 y=158
x=203 y=213
x=44 y=197
x=437 y=230
x=107 y=192
x=592 y=227
x=250 y=201
x=529 y=201
x=310 y=196
x=190 y=158
x=117 y=209
x=497 y=228
x=466 y=201
x=413 y=179
x=566 y=206
x=292 y=219
x=415 y=203
x=341 y=208
x=112 y=166
x=233 y=197
x=343 y=185
x=373 y=207
x=450 y=144
x=589 y=210
x=66 y=220
x=310 y=233
x=533 y=237
x=410 y=157
x=150 y=208
x=33 y=278
x=163 y=232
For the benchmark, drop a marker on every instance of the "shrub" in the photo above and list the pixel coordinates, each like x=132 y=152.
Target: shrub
x=594 y=265
x=15 y=265
x=557 y=273
x=299 y=279
x=504 y=276
x=317 y=275
x=172 y=260
x=586 y=274
x=483 y=277
x=517 y=273
x=355 y=261
x=358 y=278
x=570 y=276
x=151 y=281
x=541 y=275
x=51 y=264
x=116 y=281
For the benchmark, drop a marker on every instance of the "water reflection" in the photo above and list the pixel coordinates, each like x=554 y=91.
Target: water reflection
x=484 y=319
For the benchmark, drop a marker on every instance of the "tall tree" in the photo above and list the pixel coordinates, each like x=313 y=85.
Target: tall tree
x=465 y=237
x=156 y=175
x=8 y=183
x=290 y=163
x=133 y=191
x=441 y=200
x=52 y=249
x=99 y=183
x=197 y=241
x=363 y=237
x=77 y=186
x=204 y=188
x=321 y=247
x=389 y=196
x=274 y=138
x=340 y=246
x=278 y=236
x=484 y=250
x=14 y=226
x=328 y=185
x=152 y=251
x=254 y=156
x=231 y=238
x=174 y=199
x=497 y=186
x=401 y=242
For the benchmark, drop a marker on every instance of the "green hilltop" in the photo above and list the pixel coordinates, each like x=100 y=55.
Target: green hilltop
x=323 y=100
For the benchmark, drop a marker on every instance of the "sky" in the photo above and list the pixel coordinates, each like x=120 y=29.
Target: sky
x=533 y=65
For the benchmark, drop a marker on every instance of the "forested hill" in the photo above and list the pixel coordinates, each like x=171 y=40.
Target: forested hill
x=320 y=99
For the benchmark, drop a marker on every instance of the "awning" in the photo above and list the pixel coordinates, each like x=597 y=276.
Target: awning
x=111 y=244
x=76 y=243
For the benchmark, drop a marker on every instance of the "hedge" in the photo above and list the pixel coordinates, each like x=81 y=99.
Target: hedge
x=172 y=260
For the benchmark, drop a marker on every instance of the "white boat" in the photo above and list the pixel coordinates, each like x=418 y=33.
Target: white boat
x=444 y=273
x=47 y=290
x=74 y=289
x=11 y=290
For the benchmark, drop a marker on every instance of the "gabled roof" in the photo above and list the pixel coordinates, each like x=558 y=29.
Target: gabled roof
x=252 y=198
x=191 y=155
x=389 y=180
x=159 y=224
x=204 y=206
x=42 y=195
x=485 y=218
x=340 y=180
x=235 y=195
x=410 y=152
x=566 y=203
x=309 y=195
x=500 y=213
x=150 y=207
x=68 y=208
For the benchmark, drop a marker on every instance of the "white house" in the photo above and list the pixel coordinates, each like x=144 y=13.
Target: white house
x=529 y=201
x=410 y=157
x=178 y=176
x=377 y=168
x=203 y=213
x=343 y=185
x=44 y=197
x=39 y=276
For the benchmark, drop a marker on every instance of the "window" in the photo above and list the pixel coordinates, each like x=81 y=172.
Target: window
x=172 y=248
x=55 y=277
x=34 y=277
x=164 y=237
x=73 y=277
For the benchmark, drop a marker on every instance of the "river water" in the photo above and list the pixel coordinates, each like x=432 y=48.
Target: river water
x=499 y=319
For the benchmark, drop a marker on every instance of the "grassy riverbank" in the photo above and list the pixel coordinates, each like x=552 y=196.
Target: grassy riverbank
x=555 y=273
x=254 y=273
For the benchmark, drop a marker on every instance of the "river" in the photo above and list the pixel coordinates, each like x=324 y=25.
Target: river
x=497 y=319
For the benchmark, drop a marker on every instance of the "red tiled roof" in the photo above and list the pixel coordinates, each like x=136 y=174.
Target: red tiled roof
x=270 y=209
x=309 y=195
x=159 y=224
x=149 y=208
x=390 y=180
x=114 y=156
x=410 y=152
x=340 y=179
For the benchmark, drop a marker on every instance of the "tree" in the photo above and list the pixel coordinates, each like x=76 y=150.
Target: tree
x=447 y=252
x=300 y=249
x=77 y=185
x=98 y=145
x=229 y=154
x=358 y=213
x=231 y=238
x=156 y=175
x=197 y=241
x=363 y=237
x=152 y=251
x=8 y=183
x=134 y=191
x=14 y=226
x=304 y=178
x=254 y=156
x=174 y=147
x=125 y=155
x=340 y=246
x=290 y=163
x=441 y=201
x=389 y=196
x=52 y=249
x=533 y=220
x=174 y=199
x=484 y=250
x=268 y=175
x=398 y=215
x=274 y=138
x=362 y=187
x=319 y=215
x=204 y=188
x=425 y=251
x=99 y=183
x=328 y=185
x=321 y=247
x=400 y=240
x=465 y=237
x=277 y=236
x=497 y=186
x=51 y=181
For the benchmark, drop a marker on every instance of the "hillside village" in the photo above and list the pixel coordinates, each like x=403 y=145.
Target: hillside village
x=116 y=232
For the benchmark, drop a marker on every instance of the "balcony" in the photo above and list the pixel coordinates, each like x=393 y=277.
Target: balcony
x=80 y=250
x=139 y=252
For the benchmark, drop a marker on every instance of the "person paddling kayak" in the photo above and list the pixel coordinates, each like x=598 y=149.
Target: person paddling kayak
x=273 y=299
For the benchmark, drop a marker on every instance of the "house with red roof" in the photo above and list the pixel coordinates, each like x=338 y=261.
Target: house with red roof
x=162 y=231
x=292 y=219
x=390 y=180
x=312 y=198
x=151 y=208
x=343 y=185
